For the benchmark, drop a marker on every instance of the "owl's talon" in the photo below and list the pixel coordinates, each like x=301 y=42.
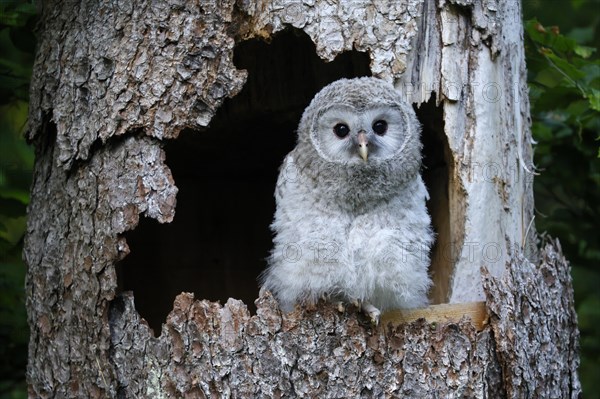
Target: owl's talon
x=358 y=304
x=372 y=312
x=341 y=307
x=311 y=303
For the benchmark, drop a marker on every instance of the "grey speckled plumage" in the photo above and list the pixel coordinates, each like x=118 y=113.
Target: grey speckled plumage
x=351 y=222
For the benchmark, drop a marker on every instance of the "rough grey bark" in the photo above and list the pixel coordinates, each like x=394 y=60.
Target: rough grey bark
x=221 y=351
x=114 y=79
x=535 y=326
x=527 y=350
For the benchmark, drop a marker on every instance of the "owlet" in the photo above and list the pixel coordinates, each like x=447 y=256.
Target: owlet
x=351 y=222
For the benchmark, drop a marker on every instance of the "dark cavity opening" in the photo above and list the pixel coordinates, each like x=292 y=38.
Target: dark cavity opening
x=217 y=244
x=436 y=174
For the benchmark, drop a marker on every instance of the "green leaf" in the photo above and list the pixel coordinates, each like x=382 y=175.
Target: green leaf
x=584 y=51
x=594 y=99
x=535 y=30
x=570 y=70
x=549 y=77
x=577 y=108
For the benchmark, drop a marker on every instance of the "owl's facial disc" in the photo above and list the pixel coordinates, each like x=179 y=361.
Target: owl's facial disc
x=344 y=134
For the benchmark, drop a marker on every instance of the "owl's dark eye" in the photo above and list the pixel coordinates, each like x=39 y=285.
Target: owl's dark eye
x=341 y=130
x=380 y=127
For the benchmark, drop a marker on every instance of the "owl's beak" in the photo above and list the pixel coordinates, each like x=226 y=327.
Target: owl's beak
x=363 y=145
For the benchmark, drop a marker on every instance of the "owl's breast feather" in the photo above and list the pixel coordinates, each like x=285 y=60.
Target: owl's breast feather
x=352 y=187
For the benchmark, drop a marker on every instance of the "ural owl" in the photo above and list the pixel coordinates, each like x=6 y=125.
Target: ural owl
x=350 y=221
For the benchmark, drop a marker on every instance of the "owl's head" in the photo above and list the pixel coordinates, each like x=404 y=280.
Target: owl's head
x=361 y=121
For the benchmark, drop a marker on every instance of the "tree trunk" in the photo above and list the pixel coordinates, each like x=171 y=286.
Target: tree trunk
x=114 y=80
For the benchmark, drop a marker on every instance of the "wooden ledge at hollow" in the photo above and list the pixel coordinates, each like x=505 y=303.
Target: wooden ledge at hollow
x=439 y=314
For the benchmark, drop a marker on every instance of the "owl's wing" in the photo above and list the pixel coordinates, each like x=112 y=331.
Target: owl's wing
x=309 y=251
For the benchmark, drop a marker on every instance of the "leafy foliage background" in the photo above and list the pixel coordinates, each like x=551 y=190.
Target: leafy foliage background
x=562 y=38
x=17 y=45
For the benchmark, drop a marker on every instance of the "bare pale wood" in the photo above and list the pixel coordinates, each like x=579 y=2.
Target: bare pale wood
x=445 y=313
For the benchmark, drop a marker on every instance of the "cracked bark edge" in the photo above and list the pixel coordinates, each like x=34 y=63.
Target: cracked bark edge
x=105 y=68
x=71 y=246
x=338 y=27
x=209 y=350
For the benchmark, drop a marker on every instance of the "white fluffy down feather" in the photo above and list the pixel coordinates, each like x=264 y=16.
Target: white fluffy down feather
x=351 y=222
